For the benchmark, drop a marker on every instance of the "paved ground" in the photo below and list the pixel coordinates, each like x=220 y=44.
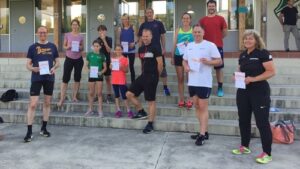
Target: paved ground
x=104 y=148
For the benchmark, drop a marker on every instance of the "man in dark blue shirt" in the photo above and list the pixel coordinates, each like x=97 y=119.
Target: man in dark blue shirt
x=158 y=41
x=42 y=61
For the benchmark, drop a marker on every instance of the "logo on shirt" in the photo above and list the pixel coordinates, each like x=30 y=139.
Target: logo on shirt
x=43 y=51
x=270 y=57
x=253 y=59
x=148 y=55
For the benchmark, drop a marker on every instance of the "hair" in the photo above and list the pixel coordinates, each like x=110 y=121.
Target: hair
x=197 y=25
x=75 y=20
x=127 y=16
x=259 y=41
x=186 y=13
x=96 y=41
x=118 y=45
x=149 y=8
x=147 y=30
x=211 y=2
x=102 y=28
x=42 y=27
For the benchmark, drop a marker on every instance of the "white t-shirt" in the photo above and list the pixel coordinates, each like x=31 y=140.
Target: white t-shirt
x=200 y=74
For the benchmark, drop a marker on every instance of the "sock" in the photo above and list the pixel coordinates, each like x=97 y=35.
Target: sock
x=29 y=129
x=220 y=84
x=165 y=86
x=150 y=123
x=44 y=125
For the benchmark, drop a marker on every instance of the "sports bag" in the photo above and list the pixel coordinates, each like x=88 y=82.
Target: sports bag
x=9 y=95
x=283 y=131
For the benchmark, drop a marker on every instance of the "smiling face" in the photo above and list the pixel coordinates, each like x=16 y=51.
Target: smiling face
x=125 y=20
x=150 y=15
x=42 y=34
x=118 y=51
x=75 y=26
x=186 y=20
x=96 y=47
x=211 y=8
x=146 y=37
x=198 y=34
x=249 y=41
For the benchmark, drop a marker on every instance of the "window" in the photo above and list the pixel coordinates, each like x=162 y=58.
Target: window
x=164 y=12
x=4 y=17
x=44 y=14
x=74 y=9
x=229 y=10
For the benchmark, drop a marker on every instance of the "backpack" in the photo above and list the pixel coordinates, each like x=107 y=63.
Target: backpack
x=9 y=95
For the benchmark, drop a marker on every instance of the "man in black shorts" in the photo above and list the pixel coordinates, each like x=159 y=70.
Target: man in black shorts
x=152 y=65
x=42 y=61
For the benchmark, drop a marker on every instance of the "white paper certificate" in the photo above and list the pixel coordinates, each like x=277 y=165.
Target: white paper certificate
x=115 y=63
x=125 y=46
x=94 y=72
x=181 y=48
x=194 y=64
x=75 y=46
x=44 y=68
x=240 y=80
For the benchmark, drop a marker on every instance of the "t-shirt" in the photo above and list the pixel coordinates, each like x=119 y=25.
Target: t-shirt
x=103 y=49
x=252 y=64
x=96 y=59
x=213 y=27
x=184 y=37
x=290 y=15
x=201 y=74
x=69 y=37
x=118 y=77
x=148 y=55
x=42 y=52
x=157 y=29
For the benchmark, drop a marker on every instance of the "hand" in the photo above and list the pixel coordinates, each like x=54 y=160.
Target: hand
x=249 y=79
x=172 y=61
x=35 y=69
x=187 y=69
x=99 y=74
x=163 y=51
x=204 y=61
x=131 y=45
x=102 y=36
x=52 y=71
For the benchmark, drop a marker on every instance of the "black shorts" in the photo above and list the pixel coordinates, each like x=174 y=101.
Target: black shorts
x=178 y=60
x=108 y=70
x=120 y=89
x=222 y=57
x=201 y=92
x=147 y=84
x=99 y=79
x=36 y=87
x=69 y=64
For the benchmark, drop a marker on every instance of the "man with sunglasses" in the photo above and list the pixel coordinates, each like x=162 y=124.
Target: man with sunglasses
x=42 y=61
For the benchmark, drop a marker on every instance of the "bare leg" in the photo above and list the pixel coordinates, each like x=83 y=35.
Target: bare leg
x=180 y=80
x=76 y=86
x=130 y=96
x=63 y=89
x=46 y=107
x=31 y=109
x=99 y=88
x=152 y=111
x=91 y=96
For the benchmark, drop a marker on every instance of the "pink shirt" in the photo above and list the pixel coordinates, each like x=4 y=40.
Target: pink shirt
x=69 y=37
x=118 y=77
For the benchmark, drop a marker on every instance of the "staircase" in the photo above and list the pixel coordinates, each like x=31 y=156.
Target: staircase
x=223 y=119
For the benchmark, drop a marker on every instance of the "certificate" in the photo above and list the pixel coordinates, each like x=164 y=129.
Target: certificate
x=181 y=48
x=240 y=80
x=94 y=72
x=194 y=64
x=44 y=68
x=125 y=46
x=115 y=64
x=75 y=46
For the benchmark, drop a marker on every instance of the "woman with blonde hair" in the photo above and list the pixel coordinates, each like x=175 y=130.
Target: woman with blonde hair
x=257 y=64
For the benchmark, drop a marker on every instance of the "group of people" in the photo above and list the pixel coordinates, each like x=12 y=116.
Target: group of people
x=197 y=50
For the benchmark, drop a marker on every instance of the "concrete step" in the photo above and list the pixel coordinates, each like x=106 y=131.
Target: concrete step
x=172 y=77
x=215 y=112
x=183 y=124
x=276 y=90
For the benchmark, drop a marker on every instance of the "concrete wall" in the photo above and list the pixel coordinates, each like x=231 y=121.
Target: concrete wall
x=4 y=40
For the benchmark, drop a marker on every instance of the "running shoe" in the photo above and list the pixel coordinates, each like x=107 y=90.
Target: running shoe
x=263 y=158
x=100 y=114
x=28 y=138
x=167 y=92
x=148 y=129
x=181 y=104
x=195 y=136
x=241 y=150
x=220 y=92
x=130 y=114
x=140 y=115
x=200 y=140
x=45 y=133
x=189 y=104
x=118 y=114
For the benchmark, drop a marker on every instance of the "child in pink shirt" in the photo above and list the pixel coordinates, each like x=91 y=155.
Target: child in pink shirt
x=119 y=67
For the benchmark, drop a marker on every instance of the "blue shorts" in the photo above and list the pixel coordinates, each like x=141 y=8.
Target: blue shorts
x=120 y=89
x=222 y=57
x=201 y=92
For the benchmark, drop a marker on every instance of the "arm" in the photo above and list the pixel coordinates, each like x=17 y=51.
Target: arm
x=104 y=68
x=106 y=45
x=281 y=16
x=55 y=66
x=159 y=64
x=213 y=62
x=81 y=46
x=163 y=43
x=186 y=66
x=131 y=45
x=268 y=73
x=174 y=46
x=118 y=35
x=30 y=67
x=224 y=32
x=66 y=44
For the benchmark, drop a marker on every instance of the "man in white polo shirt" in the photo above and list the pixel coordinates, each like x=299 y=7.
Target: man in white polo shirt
x=198 y=60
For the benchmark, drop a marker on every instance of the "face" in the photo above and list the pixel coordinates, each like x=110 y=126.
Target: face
x=149 y=14
x=290 y=2
x=125 y=20
x=249 y=42
x=198 y=33
x=42 y=34
x=186 y=20
x=102 y=32
x=75 y=26
x=118 y=51
x=211 y=8
x=96 y=47
x=146 y=37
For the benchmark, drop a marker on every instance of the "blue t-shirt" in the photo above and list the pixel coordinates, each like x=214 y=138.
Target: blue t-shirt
x=42 y=52
x=157 y=29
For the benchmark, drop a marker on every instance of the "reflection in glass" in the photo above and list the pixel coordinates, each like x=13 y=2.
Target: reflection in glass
x=44 y=14
x=74 y=9
x=4 y=17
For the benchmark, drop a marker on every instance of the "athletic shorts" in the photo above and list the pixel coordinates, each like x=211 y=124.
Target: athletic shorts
x=222 y=57
x=178 y=60
x=99 y=79
x=120 y=89
x=36 y=87
x=147 y=84
x=201 y=92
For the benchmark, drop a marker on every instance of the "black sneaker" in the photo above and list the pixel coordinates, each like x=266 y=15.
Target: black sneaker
x=140 y=115
x=45 y=133
x=148 y=129
x=195 y=136
x=28 y=138
x=200 y=140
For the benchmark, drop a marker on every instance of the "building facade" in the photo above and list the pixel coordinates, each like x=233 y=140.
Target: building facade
x=21 y=18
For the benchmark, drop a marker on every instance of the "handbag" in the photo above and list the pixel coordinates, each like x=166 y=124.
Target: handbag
x=283 y=131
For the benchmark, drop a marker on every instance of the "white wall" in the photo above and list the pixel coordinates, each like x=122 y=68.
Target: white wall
x=274 y=30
